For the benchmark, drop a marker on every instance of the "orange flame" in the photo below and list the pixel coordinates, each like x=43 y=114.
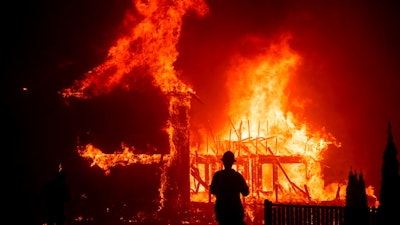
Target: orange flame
x=148 y=48
x=125 y=157
x=149 y=44
x=258 y=97
x=257 y=90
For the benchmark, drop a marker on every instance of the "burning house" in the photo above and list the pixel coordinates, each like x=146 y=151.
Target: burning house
x=278 y=156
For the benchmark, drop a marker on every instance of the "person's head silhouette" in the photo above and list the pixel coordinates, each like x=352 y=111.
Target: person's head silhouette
x=228 y=159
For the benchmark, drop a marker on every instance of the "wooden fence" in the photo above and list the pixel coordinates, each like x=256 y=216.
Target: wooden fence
x=284 y=214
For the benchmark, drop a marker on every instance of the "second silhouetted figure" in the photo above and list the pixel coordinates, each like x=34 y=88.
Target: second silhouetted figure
x=227 y=185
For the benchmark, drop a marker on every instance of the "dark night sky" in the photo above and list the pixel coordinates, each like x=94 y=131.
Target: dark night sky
x=350 y=74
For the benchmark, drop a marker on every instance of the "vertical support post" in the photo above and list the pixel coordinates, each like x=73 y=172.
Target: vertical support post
x=177 y=190
x=275 y=179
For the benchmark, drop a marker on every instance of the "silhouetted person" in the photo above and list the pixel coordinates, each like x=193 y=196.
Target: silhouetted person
x=227 y=185
x=54 y=195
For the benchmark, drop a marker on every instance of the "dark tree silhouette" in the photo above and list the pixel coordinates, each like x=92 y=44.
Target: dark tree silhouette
x=350 y=189
x=356 y=209
x=389 y=208
x=362 y=204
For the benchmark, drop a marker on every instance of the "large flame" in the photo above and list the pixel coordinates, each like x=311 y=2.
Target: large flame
x=148 y=46
x=258 y=125
x=258 y=95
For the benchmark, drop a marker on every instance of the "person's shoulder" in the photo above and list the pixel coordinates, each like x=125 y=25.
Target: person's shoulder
x=238 y=173
x=219 y=173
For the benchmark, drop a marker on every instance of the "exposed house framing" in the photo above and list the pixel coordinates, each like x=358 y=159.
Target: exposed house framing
x=250 y=165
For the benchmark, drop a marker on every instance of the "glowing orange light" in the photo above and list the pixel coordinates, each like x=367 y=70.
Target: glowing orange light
x=258 y=118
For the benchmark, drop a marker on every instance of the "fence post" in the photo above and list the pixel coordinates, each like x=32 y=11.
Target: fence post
x=267 y=212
